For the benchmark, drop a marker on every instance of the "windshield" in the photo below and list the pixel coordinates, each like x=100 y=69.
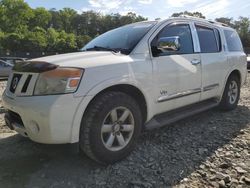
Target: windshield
x=123 y=39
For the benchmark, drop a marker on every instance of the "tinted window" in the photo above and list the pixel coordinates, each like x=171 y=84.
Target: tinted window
x=122 y=39
x=209 y=39
x=183 y=32
x=233 y=41
x=218 y=39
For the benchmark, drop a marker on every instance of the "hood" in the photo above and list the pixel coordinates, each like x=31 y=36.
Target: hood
x=85 y=59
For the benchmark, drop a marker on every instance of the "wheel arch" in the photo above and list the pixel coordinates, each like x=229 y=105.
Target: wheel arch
x=232 y=72
x=129 y=89
x=237 y=73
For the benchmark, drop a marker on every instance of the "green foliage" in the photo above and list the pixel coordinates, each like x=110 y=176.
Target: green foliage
x=81 y=40
x=1 y=41
x=35 y=40
x=227 y=21
x=41 y=18
x=66 y=42
x=242 y=25
x=14 y=14
x=24 y=29
x=12 y=41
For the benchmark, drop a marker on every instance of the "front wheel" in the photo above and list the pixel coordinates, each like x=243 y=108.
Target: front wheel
x=110 y=127
x=231 y=94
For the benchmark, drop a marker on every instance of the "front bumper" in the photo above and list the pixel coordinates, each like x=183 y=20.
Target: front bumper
x=44 y=119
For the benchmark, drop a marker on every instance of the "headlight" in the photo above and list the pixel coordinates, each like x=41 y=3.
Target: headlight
x=58 y=81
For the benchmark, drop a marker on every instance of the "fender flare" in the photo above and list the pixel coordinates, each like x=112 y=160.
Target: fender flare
x=92 y=93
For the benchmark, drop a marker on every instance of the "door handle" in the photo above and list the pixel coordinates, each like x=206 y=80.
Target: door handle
x=195 y=62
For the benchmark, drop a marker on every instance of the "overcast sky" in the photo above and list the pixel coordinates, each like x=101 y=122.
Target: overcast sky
x=153 y=8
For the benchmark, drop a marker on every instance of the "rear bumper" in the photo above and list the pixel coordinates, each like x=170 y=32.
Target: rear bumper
x=44 y=119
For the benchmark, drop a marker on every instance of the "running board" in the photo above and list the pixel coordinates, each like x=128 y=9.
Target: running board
x=181 y=113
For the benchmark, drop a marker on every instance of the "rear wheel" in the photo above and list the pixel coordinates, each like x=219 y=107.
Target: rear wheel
x=231 y=94
x=110 y=127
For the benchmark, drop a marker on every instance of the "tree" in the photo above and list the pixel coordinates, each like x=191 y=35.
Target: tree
x=225 y=20
x=243 y=26
x=12 y=42
x=82 y=41
x=195 y=14
x=52 y=38
x=67 y=15
x=41 y=18
x=131 y=18
x=35 y=41
x=66 y=42
x=25 y=29
x=1 y=40
x=55 y=21
x=14 y=14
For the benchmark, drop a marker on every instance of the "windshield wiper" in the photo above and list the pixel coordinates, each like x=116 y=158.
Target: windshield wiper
x=100 y=48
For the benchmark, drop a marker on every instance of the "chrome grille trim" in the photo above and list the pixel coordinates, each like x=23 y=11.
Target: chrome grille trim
x=18 y=92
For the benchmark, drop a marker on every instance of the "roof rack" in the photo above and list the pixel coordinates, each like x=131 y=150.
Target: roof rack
x=202 y=19
x=193 y=17
x=218 y=23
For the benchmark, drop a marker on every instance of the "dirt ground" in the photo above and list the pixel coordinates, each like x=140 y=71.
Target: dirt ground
x=211 y=149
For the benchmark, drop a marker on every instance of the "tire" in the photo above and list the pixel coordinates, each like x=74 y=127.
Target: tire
x=110 y=117
x=232 y=88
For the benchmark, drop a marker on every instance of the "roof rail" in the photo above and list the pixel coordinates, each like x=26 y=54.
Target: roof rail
x=202 y=19
x=218 y=23
x=193 y=17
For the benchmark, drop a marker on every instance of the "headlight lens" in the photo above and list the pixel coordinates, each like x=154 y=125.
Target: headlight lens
x=58 y=81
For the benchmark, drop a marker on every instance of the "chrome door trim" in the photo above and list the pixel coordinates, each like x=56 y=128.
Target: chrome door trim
x=211 y=87
x=179 y=95
x=195 y=36
x=187 y=93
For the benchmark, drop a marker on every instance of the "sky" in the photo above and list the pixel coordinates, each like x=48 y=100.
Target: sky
x=153 y=8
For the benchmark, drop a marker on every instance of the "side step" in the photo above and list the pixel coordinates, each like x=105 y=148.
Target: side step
x=181 y=113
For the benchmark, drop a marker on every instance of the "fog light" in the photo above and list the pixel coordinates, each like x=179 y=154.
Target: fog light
x=34 y=128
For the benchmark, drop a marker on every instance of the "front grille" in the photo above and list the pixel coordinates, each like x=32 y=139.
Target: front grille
x=14 y=83
x=26 y=84
x=21 y=84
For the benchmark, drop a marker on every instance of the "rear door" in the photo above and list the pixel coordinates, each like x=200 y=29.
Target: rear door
x=214 y=61
x=177 y=73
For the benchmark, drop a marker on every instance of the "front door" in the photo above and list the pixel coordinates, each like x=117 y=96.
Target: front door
x=177 y=72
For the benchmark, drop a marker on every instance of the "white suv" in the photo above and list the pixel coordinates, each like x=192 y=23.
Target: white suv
x=142 y=75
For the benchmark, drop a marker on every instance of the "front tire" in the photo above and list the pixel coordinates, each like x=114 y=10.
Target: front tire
x=231 y=94
x=110 y=127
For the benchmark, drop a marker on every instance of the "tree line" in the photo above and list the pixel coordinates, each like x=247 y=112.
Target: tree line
x=23 y=29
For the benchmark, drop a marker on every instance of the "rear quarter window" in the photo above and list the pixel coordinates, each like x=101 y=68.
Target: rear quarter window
x=233 y=41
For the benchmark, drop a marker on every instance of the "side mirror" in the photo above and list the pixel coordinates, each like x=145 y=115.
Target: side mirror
x=169 y=44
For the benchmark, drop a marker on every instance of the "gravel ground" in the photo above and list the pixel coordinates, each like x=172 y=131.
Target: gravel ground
x=211 y=149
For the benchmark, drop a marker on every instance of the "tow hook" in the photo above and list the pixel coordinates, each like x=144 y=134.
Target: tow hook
x=2 y=110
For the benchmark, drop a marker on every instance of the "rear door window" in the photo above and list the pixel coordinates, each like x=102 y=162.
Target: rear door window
x=209 y=38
